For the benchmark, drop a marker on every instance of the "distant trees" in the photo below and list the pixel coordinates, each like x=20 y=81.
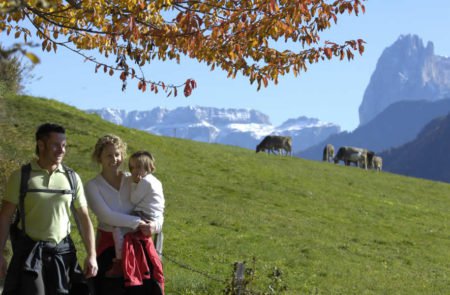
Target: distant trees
x=234 y=36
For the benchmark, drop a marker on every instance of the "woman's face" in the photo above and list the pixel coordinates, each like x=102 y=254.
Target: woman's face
x=111 y=157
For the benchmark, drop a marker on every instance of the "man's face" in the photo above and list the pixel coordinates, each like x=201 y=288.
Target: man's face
x=53 y=148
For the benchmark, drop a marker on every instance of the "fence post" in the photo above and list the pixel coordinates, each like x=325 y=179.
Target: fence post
x=239 y=271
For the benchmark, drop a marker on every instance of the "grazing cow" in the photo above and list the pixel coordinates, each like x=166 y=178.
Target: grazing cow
x=350 y=154
x=370 y=155
x=272 y=143
x=328 y=153
x=377 y=163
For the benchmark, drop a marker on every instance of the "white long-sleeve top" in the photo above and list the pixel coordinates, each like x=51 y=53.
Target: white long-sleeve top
x=148 y=197
x=111 y=206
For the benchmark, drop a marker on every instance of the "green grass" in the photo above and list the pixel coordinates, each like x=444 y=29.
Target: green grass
x=330 y=229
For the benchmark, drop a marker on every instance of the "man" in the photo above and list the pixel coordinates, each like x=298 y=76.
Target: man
x=44 y=259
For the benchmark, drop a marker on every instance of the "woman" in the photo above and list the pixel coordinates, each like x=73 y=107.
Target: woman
x=108 y=195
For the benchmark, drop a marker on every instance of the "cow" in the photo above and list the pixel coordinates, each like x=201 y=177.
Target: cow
x=370 y=156
x=377 y=163
x=328 y=153
x=272 y=143
x=350 y=154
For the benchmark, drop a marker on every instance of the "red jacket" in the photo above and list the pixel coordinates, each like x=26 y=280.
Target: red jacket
x=136 y=266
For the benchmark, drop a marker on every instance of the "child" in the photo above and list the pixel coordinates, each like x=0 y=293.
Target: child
x=148 y=198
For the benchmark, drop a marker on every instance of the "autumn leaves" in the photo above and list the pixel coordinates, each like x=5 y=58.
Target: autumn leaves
x=238 y=37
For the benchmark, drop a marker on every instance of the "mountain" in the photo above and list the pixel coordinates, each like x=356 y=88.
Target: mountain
x=239 y=127
x=398 y=124
x=426 y=156
x=407 y=70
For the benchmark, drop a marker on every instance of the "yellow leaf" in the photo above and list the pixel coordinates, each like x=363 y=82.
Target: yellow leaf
x=31 y=56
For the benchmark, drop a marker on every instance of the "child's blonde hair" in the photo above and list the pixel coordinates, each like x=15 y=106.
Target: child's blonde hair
x=144 y=159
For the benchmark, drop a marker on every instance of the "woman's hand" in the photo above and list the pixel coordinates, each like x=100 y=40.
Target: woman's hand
x=145 y=228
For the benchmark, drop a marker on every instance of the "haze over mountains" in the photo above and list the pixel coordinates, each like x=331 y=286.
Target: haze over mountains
x=426 y=156
x=409 y=88
x=398 y=124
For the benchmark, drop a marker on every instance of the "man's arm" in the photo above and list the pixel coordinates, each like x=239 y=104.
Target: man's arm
x=87 y=234
x=6 y=214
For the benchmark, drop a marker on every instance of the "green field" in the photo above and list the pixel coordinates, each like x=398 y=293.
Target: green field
x=330 y=229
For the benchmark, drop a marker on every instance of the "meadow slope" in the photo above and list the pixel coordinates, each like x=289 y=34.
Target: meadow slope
x=330 y=229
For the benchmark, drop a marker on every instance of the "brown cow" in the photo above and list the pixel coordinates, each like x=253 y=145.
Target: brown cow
x=350 y=154
x=370 y=156
x=272 y=143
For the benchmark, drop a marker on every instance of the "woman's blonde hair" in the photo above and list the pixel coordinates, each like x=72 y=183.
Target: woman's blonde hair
x=144 y=159
x=103 y=141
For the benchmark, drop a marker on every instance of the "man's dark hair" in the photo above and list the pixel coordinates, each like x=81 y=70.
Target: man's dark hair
x=44 y=131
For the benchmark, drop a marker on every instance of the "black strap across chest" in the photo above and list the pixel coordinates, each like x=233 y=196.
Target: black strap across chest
x=24 y=178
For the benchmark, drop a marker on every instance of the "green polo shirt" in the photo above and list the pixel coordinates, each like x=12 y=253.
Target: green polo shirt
x=46 y=214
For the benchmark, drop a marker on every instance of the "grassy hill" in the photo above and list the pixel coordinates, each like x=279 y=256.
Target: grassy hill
x=330 y=229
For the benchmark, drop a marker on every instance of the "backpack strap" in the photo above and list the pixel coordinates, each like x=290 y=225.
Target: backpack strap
x=73 y=181
x=24 y=178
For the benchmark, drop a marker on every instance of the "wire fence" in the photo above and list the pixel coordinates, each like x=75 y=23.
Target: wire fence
x=190 y=268
x=235 y=286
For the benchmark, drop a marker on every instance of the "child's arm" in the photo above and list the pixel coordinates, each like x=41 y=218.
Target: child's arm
x=138 y=192
x=153 y=202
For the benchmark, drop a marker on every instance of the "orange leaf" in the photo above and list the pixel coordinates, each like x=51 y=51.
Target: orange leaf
x=328 y=52
x=123 y=76
x=193 y=84
x=187 y=89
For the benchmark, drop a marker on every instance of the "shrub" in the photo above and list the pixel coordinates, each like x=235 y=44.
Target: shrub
x=13 y=72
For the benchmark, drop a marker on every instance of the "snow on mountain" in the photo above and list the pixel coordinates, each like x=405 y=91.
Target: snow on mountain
x=239 y=127
x=303 y=122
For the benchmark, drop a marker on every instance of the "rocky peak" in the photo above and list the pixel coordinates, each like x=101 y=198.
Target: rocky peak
x=407 y=70
x=216 y=116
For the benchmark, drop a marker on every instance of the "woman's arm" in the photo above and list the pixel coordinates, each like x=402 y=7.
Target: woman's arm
x=104 y=213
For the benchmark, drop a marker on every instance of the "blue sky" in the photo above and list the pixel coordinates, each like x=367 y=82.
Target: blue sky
x=331 y=91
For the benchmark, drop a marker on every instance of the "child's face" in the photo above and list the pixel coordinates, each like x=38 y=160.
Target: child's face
x=137 y=171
